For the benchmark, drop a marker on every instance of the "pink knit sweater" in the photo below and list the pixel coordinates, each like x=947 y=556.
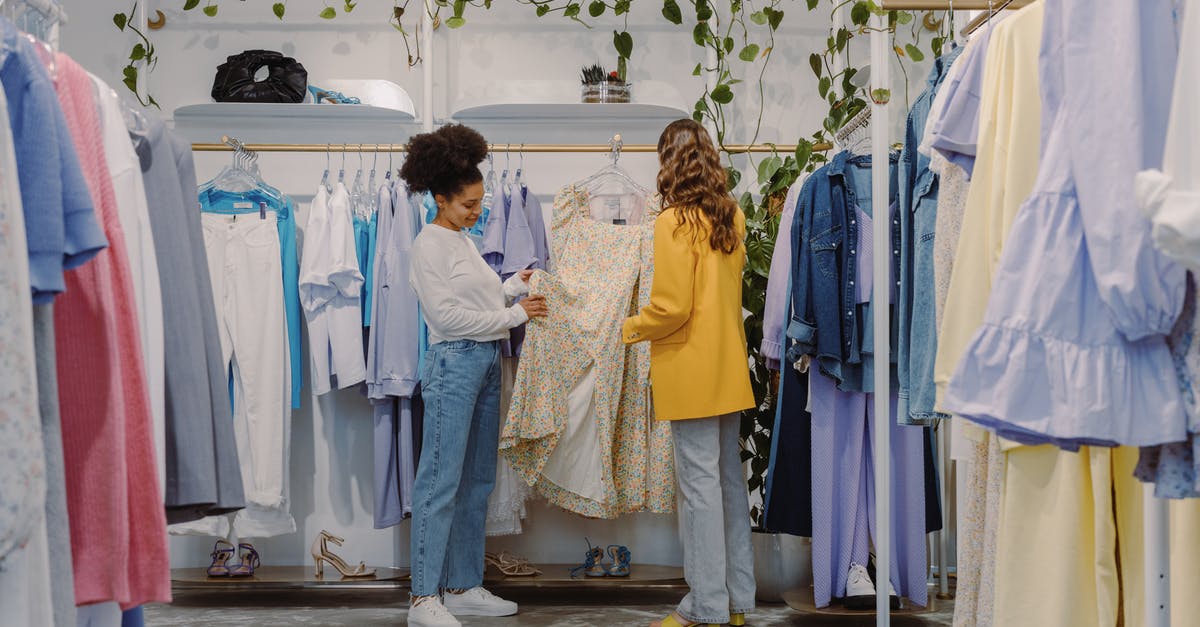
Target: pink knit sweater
x=118 y=525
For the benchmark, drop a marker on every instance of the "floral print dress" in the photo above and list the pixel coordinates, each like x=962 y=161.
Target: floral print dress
x=602 y=274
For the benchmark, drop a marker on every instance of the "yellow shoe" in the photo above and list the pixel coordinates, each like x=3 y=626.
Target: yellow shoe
x=675 y=620
x=737 y=620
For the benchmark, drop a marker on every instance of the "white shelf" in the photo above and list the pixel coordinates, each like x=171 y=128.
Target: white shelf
x=570 y=111
x=294 y=123
x=305 y=111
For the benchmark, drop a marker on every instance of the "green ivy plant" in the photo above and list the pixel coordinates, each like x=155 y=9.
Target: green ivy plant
x=742 y=36
x=143 y=52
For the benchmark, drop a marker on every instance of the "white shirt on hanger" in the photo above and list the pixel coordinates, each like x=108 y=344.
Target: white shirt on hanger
x=330 y=285
x=133 y=211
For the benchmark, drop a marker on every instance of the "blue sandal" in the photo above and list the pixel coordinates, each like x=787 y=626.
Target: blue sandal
x=620 y=557
x=591 y=566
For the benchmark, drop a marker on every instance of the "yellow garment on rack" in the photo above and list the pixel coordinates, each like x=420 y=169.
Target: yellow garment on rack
x=1185 y=562
x=1071 y=546
x=1057 y=553
x=1003 y=177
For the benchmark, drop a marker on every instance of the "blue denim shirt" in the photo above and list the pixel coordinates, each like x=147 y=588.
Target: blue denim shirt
x=827 y=320
x=918 y=193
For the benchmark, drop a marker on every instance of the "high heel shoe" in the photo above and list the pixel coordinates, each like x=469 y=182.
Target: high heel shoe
x=250 y=561
x=220 y=559
x=591 y=566
x=321 y=554
x=620 y=557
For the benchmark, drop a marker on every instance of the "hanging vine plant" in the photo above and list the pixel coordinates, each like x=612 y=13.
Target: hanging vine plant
x=742 y=37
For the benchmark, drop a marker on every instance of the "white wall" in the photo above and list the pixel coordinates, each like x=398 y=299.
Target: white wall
x=332 y=438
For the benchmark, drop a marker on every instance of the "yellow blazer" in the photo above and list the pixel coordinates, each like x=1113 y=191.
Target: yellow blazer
x=698 y=363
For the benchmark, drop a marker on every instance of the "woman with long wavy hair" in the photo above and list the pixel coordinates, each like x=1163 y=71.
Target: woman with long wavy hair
x=699 y=371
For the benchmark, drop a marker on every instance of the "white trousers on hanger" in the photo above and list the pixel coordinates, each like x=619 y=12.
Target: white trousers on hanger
x=245 y=266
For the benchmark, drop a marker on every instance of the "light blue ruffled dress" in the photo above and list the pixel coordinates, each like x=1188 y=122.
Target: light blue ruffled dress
x=1073 y=350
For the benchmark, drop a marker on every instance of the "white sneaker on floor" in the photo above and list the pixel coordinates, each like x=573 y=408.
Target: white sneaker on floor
x=860 y=590
x=478 y=602
x=430 y=612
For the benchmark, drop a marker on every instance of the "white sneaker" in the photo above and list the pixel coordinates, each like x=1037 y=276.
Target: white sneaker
x=860 y=590
x=431 y=613
x=478 y=602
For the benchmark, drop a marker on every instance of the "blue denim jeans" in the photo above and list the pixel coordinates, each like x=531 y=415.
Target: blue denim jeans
x=714 y=519
x=460 y=387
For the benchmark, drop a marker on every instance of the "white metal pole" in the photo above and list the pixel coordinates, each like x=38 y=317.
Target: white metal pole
x=882 y=254
x=1158 y=560
x=945 y=464
x=143 y=83
x=427 y=68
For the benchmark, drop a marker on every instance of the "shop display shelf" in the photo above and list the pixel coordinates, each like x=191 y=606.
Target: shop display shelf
x=284 y=578
x=801 y=600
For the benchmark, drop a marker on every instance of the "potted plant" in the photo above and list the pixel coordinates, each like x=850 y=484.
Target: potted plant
x=600 y=87
x=781 y=562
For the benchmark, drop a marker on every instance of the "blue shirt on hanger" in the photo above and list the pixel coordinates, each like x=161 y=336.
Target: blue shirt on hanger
x=61 y=229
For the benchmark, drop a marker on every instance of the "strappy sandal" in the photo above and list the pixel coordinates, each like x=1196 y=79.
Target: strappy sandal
x=321 y=554
x=250 y=561
x=620 y=560
x=510 y=565
x=591 y=566
x=220 y=559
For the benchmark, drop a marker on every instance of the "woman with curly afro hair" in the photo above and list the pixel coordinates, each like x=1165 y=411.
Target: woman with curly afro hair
x=699 y=372
x=465 y=308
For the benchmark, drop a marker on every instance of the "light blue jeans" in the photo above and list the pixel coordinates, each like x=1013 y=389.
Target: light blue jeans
x=714 y=519
x=460 y=385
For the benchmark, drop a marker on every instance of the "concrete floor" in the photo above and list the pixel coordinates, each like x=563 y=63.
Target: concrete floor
x=557 y=608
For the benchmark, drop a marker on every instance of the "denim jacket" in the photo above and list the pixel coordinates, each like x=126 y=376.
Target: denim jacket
x=827 y=320
x=918 y=195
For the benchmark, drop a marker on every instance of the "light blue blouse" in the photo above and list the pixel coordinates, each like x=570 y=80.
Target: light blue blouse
x=1073 y=350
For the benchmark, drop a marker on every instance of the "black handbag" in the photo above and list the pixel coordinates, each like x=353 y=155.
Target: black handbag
x=286 y=82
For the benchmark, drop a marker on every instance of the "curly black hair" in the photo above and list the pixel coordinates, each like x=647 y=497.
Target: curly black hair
x=444 y=161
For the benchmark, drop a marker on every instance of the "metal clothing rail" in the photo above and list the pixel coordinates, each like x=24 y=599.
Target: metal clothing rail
x=948 y=5
x=530 y=148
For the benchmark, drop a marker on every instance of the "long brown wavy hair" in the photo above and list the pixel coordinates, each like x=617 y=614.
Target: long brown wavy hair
x=692 y=182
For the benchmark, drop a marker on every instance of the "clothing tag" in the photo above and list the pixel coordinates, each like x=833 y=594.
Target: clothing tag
x=262 y=211
x=613 y=205
x=243 y=205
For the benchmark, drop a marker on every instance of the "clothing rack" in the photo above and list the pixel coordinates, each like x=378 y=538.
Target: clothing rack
x=1156 y=531
x=987 y=15
x=531 y=148
x=948 y=5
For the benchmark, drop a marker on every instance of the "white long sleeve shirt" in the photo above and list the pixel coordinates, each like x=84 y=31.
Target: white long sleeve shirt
x=330 y=285
x=1171 y=197
x=461 y=297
